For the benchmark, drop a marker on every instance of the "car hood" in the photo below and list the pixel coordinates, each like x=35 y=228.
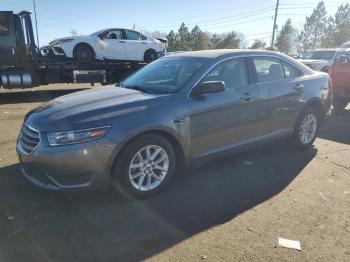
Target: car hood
x=91 y=108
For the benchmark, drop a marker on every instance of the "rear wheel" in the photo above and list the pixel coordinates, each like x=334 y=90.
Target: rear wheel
x=340 y=103
x=83 y=54
x=144 y=167
x=150 y=56
x=306 y=128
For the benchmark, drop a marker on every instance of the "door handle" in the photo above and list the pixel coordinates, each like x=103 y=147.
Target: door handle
x=247 y=97
x=122 y=42
x=299 y=87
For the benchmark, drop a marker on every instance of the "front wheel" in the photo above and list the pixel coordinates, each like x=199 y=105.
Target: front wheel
x=306 y=128
x=83 y=54
x=150 y=56
x=145 y=166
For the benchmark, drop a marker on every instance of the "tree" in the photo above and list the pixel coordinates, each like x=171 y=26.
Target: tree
x=258 y=44
x=284 y=42
x=172 y=41
x=314 y=29
x=214 y=41
x=184 y=38
x=199 y=40
x=229 y=40
x=338 y=30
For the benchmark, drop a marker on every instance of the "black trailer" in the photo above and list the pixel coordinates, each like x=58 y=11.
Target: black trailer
x=22 y=65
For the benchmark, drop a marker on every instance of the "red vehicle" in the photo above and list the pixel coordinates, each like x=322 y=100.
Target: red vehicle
x=340 y=74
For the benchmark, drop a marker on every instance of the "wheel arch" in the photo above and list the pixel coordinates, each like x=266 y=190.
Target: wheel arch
x=81 y=43
x=316 y=104
x=171 y=138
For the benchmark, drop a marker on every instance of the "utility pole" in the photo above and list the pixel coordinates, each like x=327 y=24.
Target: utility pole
x=36 y=25
x=274 y=25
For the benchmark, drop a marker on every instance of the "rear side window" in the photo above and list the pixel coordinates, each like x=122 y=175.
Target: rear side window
x=4 y=24
x=132 y=35
x=290 y=71
x=232 y=72
x=268 y=69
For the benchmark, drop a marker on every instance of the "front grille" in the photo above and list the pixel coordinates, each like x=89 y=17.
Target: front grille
x=29 y=138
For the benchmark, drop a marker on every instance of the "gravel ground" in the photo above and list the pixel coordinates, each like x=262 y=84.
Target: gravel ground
x=233 y=209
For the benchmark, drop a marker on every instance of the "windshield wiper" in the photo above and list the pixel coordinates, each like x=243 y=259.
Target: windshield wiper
x=139 y=88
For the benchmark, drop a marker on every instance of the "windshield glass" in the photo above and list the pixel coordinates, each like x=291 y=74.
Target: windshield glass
x=164 y=75
x=319 y=55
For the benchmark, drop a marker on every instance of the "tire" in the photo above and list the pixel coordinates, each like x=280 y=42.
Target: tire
x=134 y=178
x=83 y=54
x=150 y=56
x=306 y=128
x=340 y=103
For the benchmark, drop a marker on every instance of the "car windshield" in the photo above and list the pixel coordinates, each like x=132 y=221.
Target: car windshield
x=319 y=55
x=167 y=75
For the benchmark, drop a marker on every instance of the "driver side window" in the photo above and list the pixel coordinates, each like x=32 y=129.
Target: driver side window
x=232 y=72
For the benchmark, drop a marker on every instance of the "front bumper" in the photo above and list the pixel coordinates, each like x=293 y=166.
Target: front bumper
x=67 y=167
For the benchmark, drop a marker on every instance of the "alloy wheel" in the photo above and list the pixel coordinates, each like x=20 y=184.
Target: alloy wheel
x=148 y=168
x=308 y=129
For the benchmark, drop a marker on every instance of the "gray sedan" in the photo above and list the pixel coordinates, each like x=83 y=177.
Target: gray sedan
x=180 y=109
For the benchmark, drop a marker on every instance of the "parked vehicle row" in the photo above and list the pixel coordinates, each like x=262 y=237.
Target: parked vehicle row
x=177 y=110
x=322 y=59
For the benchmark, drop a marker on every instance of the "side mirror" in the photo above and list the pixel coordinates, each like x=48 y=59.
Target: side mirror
x=209 y=87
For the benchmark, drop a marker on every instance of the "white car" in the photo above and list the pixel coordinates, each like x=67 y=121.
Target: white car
x=322 y=59
x=108 y=44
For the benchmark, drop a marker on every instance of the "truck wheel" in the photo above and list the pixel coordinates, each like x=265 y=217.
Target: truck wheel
x=145 y=166
x=83 y=54
x=306 y=128
x=150 y=56
x=340 y=103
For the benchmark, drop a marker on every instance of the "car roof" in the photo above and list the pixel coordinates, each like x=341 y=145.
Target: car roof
x=213 y=54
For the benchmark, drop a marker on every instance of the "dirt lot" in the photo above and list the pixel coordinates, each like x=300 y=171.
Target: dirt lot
x=230 y=210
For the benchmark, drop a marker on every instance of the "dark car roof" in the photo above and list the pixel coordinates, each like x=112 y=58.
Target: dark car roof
x=220 y=52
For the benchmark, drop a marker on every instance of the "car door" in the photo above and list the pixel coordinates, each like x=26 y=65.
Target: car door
x=219 y=121
x=341 y=72
x=281 y=92
x=136 y=46
x=112 y=44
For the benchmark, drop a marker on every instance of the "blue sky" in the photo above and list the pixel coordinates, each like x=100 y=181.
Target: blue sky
x=253 y=18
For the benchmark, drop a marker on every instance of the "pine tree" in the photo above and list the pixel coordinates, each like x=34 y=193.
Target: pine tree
x=314 y=29
x=184 y=38
x=338 y=29
x=172 y=41
x=284 y=40
x=199 y=40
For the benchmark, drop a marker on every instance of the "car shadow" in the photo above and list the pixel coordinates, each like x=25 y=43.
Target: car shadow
x=33 y=96
x=93 y=226
x=340 y=126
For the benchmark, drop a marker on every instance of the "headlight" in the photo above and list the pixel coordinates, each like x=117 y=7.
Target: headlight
x=60 y=41
x=77 y=136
